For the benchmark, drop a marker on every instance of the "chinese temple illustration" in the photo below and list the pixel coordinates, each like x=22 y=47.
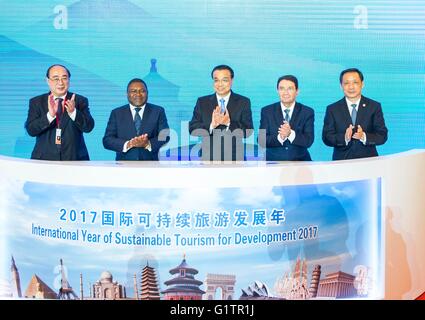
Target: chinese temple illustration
x=166 y=94
x=149 y=284
x=107 y=289
x=183 y=286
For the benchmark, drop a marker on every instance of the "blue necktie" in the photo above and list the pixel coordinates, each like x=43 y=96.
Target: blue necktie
x=138 y=121
x=223 y=109
x=59 y=111
x=287 y=114
x=353 y=114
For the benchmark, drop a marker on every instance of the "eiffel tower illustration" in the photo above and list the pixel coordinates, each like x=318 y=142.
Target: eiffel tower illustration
x=65 y=292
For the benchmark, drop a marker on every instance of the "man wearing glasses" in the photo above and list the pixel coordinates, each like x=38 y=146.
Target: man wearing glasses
x=287 y=126
x=58 y=120
x=222 y=119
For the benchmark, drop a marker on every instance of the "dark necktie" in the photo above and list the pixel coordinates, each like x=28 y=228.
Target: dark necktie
x=138 y=121
x=287 y=115
x=59 y=111
x=353 y=114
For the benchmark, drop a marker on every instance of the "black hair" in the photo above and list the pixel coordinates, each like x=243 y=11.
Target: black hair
x=350 y=70
x=289 y=78
x=137 y=80
x=57 y=65
x=222 y=67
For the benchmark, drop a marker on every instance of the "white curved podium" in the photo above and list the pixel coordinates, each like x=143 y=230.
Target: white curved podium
x=361 y=220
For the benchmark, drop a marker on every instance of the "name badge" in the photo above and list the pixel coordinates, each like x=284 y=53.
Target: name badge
x=58 y=136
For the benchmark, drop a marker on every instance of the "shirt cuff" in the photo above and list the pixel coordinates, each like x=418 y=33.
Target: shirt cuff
x=149 y=147
x=125 y=148
x=364 y=138
x=280 y=139
x=292 y=135
x=73 y=114
x=50 y=118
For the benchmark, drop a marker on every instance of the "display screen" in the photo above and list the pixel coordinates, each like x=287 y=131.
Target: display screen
x=173 y=46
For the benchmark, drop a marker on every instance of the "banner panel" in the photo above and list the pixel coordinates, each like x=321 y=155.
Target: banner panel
x=316 y=241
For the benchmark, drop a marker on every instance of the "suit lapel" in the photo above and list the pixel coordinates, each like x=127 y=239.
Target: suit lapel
x=213 y=103
x=231 y=105
x=361 y=110
x=278 y=115
x=345 y=114
x=211 y=106
x=128 y=118
x=145 y=120
x=45 y=104
x=295 y=114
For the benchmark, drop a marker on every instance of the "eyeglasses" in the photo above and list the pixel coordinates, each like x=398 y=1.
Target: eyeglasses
x=57 y=79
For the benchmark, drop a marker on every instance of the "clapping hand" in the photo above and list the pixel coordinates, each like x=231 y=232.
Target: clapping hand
x=349 y=132
x=139 y=142
x=359 y=133
x=53 y=107
x=215 y=117
x=70 y=104
x=219 y=118
x=284 y=130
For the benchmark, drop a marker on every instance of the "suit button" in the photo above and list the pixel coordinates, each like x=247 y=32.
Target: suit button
x=286 y=148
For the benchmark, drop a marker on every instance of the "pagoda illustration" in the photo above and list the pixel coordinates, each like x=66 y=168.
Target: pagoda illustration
x=149 y=290
x=160 y=88
x=166 y=94
x=183 y=286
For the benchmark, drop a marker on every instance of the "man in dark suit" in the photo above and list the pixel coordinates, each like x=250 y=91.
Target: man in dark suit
x=58 y=119
x=136 y=131
x=222 y=119
x=354 y=125
x=287 y=127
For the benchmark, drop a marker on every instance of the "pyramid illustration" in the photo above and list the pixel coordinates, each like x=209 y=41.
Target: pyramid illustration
x=37 y=289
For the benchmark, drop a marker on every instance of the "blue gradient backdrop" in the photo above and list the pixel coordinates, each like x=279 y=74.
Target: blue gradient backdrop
x=106 y=43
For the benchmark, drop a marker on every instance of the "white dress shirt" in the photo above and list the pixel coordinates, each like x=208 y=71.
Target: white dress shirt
x=350 y=110
x=72 y=115
x=226 y=101
x=133 y=114
x=292 y=135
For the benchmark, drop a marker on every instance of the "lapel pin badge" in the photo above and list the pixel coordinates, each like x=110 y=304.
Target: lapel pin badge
x=364 y=105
